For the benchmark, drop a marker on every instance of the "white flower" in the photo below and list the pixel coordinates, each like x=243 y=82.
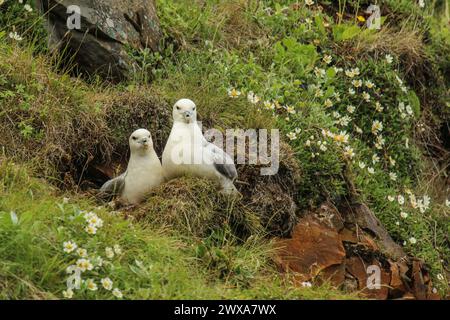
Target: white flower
x=95 y=221
x=355 y=71
x=253 y=98
x=371 y=170
x=440 y=277
x=319 y=72
x=344 y=121
x=91 y=285
x=447 y=203
x=15 y=36
x=358 y=129
x=69 y=246
x=292 y=135
x=348 y=152
x=357 y=83
x=323 y=147
x=350 y=109
x=99 y=261
x=362 y=165
x=375 y=158
x=290 y=109
x=380 y=142
x=400 y=199
x=342 y=137
x=233 y=93
x=318 y=93
x=369 y=84
x=28 y=8
x=88 y=215
x=309 y=2
x=328 y=103
x=65 y=200
x=107 y=283
x=426 y=201
x=378 y=107
x=393 y=176
x=68 y=294
x=327 y=59
x=392 y=161
x=84 y=264
x=351 y=91
x=409 y=110
x=308 y=143
x=306 y=284
x=389 y=58
x=404 y=215
x=377 y=126
x=82 y=252
x=117 y=249
x=413 y=240
x=269 y=105
x=391 y=198
x=421 y=3
x=91 y=229
x=109 y=252
x=366 y=96
x=349 y=73
x=117 y=293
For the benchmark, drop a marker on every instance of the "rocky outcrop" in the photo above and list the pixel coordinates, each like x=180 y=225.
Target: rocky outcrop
x=345 y=246
x=107 y=28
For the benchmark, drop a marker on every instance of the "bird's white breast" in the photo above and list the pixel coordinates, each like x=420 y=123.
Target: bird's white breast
x=143 y=174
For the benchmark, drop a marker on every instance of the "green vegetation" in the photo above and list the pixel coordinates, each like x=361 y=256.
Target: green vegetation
x=361 y=110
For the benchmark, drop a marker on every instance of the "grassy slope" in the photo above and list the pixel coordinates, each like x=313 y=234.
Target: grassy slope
x=152 y=264
x=218 y=46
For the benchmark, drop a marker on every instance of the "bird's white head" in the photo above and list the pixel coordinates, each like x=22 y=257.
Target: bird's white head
x=185 y=111
x=141 y=141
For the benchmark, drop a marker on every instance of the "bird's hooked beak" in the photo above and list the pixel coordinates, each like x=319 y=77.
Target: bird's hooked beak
x=145 y=142
x=188 y=116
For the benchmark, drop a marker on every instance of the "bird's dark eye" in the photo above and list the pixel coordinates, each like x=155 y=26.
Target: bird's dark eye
x=178 y=108
x=134 y=138
x=193 y=109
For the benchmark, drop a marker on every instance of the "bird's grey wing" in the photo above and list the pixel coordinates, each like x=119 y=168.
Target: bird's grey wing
x=114 y=186
x=222 y=161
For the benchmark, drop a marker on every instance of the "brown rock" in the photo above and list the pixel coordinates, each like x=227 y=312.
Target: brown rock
x=312 y=248
x=359 y=269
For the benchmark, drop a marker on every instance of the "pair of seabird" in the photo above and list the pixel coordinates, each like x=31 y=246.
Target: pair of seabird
x=187 y=152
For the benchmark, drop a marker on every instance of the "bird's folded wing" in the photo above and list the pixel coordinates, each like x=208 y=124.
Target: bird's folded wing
x=114 y=186
x=222 y=161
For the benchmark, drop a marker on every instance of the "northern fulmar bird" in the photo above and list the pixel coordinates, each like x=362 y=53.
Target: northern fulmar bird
x=187 y=152
x=144 y=171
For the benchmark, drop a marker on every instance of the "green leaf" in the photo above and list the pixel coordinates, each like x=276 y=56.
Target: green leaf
x=344 y=32
x=319 y=23
x=331 y=73
x=414 y=102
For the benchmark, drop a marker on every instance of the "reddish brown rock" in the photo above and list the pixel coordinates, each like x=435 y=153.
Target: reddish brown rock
x=312 y=248
x=340 y=246
x=357 y=267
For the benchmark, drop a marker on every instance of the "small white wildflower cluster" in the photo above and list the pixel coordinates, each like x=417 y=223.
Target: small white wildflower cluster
x=84 y=262
x=93 y=221
x=14 y=35
x=408 y=203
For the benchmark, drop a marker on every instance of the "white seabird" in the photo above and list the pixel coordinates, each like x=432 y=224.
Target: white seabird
x=187 y=152
x=144 y=171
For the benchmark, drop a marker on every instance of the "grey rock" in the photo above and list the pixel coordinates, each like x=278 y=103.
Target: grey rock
x=107 y=28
